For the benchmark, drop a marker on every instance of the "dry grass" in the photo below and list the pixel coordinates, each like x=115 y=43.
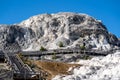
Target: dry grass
x=54 y=68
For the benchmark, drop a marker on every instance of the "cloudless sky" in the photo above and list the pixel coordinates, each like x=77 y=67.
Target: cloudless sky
x=15 y=11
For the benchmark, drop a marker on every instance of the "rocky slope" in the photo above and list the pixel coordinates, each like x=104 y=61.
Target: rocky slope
x=48 y=30
x=98 y=68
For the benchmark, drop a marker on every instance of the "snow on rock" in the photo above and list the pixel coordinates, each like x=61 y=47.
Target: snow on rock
x=98 y=68
x=68 y=28
x=48 y=30
x=101 y=43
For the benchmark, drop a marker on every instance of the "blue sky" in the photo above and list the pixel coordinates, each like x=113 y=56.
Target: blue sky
x=14 y=11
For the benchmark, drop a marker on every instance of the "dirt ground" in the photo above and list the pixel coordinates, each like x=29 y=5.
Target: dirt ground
x=55 y=68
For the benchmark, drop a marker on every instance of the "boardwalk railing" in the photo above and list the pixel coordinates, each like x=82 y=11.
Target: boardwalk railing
x=65 y=51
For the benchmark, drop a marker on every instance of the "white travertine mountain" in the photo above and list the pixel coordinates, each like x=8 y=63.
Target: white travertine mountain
x=48 y=30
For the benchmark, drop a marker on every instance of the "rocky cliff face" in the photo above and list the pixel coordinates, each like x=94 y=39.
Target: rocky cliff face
x=48 y=30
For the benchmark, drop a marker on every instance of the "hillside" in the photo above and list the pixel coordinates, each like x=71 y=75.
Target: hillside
x=68 y=31
x=98 y=68
x=49 y=30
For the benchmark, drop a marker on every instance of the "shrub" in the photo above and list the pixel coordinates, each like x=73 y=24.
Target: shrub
x=86 y=57
x=61 y=44
x=32 y=65
x=82 y=47
x=42 y=48
x=54 y=56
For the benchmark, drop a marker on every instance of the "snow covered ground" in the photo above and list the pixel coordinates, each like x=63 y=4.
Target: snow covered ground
x=98 y=68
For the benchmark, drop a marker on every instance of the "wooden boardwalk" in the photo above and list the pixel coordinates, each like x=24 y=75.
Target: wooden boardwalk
x=24 y=72
x=65 y=51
